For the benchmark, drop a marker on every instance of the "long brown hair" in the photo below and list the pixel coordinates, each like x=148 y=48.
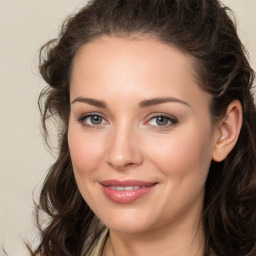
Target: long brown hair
x=204 y=30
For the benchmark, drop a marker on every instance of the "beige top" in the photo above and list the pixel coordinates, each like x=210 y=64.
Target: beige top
x=98 y=248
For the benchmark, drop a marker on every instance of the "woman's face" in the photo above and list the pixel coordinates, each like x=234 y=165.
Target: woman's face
x=140 y=134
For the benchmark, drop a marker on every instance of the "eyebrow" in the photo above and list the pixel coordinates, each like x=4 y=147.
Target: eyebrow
x=143 y=104
x=93 y=102
x=157 y=101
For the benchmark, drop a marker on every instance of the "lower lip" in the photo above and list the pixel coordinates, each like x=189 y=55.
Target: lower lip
x=126 y=196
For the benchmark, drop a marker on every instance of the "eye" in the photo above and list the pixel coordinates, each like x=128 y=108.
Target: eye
x=92 y=120
x=95 y=120
x=162 y=121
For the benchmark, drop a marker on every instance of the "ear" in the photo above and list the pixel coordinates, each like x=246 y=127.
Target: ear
x=228 y=130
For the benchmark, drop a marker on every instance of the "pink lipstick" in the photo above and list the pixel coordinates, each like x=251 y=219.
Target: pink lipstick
x=126 y=191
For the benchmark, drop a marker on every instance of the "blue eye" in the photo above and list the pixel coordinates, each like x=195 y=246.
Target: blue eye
x=162 y=120
x=92 y=120
x=95 y=120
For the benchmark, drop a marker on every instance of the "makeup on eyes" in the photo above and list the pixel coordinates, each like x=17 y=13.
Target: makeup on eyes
x=156 y=120
x=94 y=120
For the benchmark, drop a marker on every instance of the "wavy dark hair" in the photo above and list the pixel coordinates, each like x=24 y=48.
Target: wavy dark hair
x=205 y=30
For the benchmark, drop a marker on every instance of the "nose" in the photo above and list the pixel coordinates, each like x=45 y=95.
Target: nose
x=124 y=150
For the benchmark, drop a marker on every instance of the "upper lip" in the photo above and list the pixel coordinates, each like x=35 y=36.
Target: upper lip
x=124 y=183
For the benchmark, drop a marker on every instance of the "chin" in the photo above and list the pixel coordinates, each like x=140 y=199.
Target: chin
x=128 y=222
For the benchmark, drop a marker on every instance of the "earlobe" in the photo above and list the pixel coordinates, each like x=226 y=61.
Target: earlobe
x=228 y=131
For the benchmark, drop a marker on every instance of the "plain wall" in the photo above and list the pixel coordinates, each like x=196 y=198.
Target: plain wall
x=24 y=26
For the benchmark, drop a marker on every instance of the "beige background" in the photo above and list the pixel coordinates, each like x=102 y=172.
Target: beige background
x=24 y=26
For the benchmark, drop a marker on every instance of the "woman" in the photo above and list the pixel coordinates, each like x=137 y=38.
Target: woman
x=157 y=133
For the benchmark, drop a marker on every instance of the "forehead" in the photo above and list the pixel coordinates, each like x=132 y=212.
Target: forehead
x=139 y=52
x=139 y=66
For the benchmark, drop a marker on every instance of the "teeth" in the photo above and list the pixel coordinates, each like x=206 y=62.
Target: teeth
x=127 y=188
x=133 y=188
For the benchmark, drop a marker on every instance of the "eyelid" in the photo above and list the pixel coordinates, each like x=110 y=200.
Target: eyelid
x=174 y=120
x=86 y=115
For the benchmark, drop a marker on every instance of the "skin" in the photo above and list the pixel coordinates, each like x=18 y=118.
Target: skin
x=129 y=143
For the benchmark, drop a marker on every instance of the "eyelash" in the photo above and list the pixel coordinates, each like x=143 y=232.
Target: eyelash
x=90 y=115
x=171 y=120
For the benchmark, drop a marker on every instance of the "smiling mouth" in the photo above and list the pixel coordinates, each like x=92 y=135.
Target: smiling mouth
x=128 y=191
x=128 y=188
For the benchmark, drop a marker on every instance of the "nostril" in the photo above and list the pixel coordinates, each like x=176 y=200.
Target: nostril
x=123 y=150
x=123 y=162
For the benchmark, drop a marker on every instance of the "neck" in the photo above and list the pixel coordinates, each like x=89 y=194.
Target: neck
x=181 y=241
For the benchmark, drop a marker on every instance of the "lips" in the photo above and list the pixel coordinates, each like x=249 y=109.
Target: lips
x=127 y=191
x=127 y=188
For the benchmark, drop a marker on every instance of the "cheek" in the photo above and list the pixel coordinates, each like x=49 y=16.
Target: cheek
x=86 y=151
x=185 y=152
x=86 y=155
